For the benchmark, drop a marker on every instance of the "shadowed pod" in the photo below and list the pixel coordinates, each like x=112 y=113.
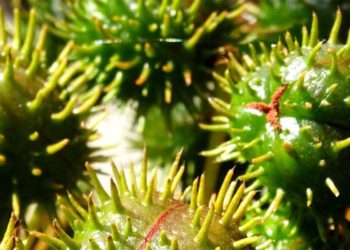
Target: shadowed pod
x=43 y=136
x=289 y=117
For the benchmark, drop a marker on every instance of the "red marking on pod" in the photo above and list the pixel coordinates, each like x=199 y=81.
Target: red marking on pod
x=162 y=218
x=271 y=110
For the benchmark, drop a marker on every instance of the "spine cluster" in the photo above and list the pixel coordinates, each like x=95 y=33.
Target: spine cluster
x=137 y=216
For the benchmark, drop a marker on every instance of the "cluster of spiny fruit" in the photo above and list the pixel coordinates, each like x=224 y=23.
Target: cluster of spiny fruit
x=281 y=97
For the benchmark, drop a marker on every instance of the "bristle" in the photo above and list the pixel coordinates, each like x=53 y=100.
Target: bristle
x=102 y=194
x=93 y=244
x=65 y=112
x=166 y=190
x=8 y=71
x=262 y=158
x=250 y=224
x=314 y=31
x=289 y=41
x=274 y=204
x=116 y=201
x=71 y=243
x=202 y=235
x=236 y=66
x=3 y=38
x=163 y=239
x=220 y=106
x=72 y=217
x=17 y=31
x=145 y=73
x=223 y=190
x=174 y=244
x=197 y=217
x=231 y=209
x=2 y=160
x=252 y=175
x=345 y=49
x=341 y=144
x=150 y=190
x=168 y=94
x=215 y=127
x=110 y=243
x=201 y=191
x=305 y=37
x=253 y=53
x=53 y=242
x=89 y=103
x=332 y=187
x=133 y=185
x=128 y=227
x=239 y=213
x=194 y=194
x=265 y=245
x=122 y=187
x=229 y=195
x=82 y=212
x=93 y=215
x=28 y=42
x=333 y=36
x=115 y=232
x=309 y=196
x=333 y=69
x=143 y=175
x=177 y=179
x=56 y=147
x=9 y=230
x=44 y=92
x=245 y=242
x=264 y=51
x=312 y=55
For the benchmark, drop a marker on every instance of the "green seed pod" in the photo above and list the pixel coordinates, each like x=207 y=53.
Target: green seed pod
x=274 y=17
x=43 y=141
x=289 y=117
x=136 y=216
x=154 y=52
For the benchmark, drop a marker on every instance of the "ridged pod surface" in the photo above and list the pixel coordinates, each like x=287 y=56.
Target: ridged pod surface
x=154 y=52
x=43 y=141
x=136 y=216
x=289 y=117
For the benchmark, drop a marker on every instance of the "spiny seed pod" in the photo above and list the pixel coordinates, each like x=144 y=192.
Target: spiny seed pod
x=289 y=117
x=154 y=52
x=274 y=17
x=136 y=216
x=43 y=141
